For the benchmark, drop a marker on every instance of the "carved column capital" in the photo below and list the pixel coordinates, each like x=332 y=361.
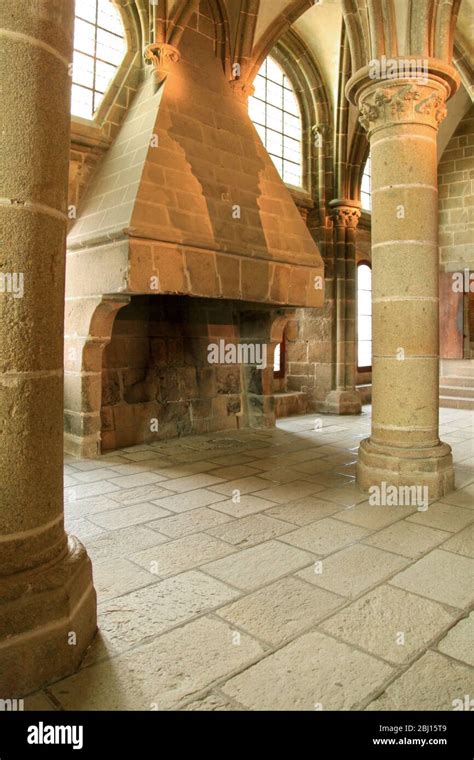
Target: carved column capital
x=389 y=92
x=345 y=214
x=161 y=56
x=400 y=102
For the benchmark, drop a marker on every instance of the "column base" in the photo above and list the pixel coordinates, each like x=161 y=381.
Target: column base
x=343 y=402
x=431 y=467
x=82 y=448
x=47 y=621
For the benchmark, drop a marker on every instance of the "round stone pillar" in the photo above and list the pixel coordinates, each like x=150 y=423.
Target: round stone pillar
x=402 y=119
x=47 y=600
x=345 y=399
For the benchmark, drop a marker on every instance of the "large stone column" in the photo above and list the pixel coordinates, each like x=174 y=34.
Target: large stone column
x=344 y=398
x=47 y=600
x=402 y=118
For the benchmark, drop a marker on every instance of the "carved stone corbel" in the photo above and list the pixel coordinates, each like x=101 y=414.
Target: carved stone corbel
x=241 y=89
x=161 y=56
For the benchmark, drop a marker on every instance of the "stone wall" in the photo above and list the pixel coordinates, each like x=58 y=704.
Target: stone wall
x=456 y=198
x=310 y=338
x=456 y=212
x=158 y=383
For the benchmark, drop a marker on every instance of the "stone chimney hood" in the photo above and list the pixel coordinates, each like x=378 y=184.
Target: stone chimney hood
x=187 y=200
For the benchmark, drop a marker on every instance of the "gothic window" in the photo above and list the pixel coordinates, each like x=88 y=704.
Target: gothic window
x=276 y=114
x=366 y=187
x=364 y=316
x=99 y=48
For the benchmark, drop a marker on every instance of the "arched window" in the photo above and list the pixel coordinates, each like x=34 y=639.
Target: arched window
x=276 y=114
x=364 y=316
x=99 y=48
x=366 y=186
x=279 y=360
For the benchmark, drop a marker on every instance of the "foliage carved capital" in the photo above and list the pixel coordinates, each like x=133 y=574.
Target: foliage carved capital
x=402 y=103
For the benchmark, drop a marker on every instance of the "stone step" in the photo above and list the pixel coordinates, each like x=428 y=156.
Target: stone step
x=290 y=403
x=456 y=402
x=457 y=368
x=462 y=382
x=457 y=391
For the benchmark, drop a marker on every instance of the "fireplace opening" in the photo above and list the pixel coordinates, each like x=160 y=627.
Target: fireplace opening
x=177 y=365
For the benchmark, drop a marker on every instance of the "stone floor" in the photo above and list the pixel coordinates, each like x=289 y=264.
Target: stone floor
x=245 y=570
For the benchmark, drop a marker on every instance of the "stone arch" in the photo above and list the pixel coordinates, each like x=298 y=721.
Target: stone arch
x=222 y=32
x=462 y=63
x=245 y=36
x=275 y=31
x=88 y=329
x=277 y=332
x=182 y=16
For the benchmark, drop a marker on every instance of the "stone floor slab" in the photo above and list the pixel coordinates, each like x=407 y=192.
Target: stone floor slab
x=304 y=511
x=280 y=611
x=123 y=542
x=82 y=527
x=123 y=517
x=115 y=576
x=406 y=538
x=135 y=481
x=242 y=486
x=374 y=517
x=191 y=482
x=390 y=623
x=212 y=702
x=440 y=575
x=181 y=554
x=434 y=682
x=154 y=677
x=313 y=672
x=193 y=521
x=134 y=618
x=248 y=531
x=461 y=498
x=353 y=570
x=347 y=495
x=459 y=641
x=325 y=536
x=241 y=506
x=462 y=543
x=140 y=494
x=259 y=565
x=444 y=517
x=183 y=502
x=286 y=492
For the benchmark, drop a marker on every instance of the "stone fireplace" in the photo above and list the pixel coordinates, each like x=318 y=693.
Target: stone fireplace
x=186 y=234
